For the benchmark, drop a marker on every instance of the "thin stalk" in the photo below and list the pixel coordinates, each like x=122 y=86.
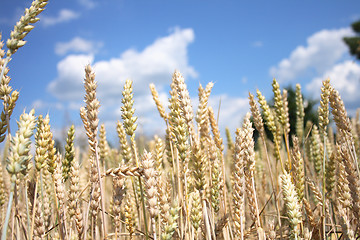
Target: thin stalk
x=323 y=189
x=187 y=216
x=16 y=210
x=133 y=145
x=34 y=210
x=27 y=211
x=351 y=147
x=272 y=184
x=87 y=215
x=223 y=173
x=206 y=220
x=101 y=191
x=61 y=233
x=287 y=150
x=278 y=151
x=143 y=205
x=154 y=228
x=136 y=200
x=42 y=195
x=17 y=219
x=12 y=225
x=8 y=211
x=258 y=222
x=224 y=179
x=178 y=180
x=223 y=168
x=93 y=232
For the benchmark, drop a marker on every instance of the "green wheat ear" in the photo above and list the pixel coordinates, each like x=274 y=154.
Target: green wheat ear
x=69 y=153
x=19 y=154
x=293 y=209
x=128 y=110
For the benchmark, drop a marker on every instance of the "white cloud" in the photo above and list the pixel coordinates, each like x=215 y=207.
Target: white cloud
x=344 y=77
x=154 y=64
x=79 y=45
x=354 y=17
x=69 y=83
x=41 y=104
x=87 y=3
x=257 y=44
x=65 y=15
x=232 y=110
x=324 y=49
x=149 y=120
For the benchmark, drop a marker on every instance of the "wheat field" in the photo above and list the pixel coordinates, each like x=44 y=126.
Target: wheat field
x=188 y=183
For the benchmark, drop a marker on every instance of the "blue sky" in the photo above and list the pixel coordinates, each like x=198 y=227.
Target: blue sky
x=239 y=45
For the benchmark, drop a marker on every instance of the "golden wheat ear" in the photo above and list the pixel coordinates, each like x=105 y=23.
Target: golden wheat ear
x=89 y=116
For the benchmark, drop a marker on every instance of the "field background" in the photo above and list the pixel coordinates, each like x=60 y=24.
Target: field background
x=238 y=46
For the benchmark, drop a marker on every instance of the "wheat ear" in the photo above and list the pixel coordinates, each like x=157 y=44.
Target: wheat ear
x=299 y=113
x=158 y=103
x=118 y=195
x=292 y=204
x=259 y=125
x=316 y=149
x=6 y=94
x=220 y=146
x=239 y=188
x=281 y=116
x=298 y=164
x=125 y=149
x=89 y=115
x=130 y=127
x=150 y=175
x=103 y=147
x=19 y=157
x=323 y=122
x=270 y=122
x=69 y=152
x=248 y=155
x=286 y=112
x=353 y=179
x=39 y=229
x=16 y=40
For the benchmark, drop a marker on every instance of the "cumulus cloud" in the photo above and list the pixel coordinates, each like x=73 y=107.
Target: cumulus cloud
x=155 y=63
x=232 y=110
x=69 y=83
x=87 y=3
x=344 y=77
x=78 y=45
x=324 y=49
x=41 y=104
x=257 y=44
x=65 y=15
